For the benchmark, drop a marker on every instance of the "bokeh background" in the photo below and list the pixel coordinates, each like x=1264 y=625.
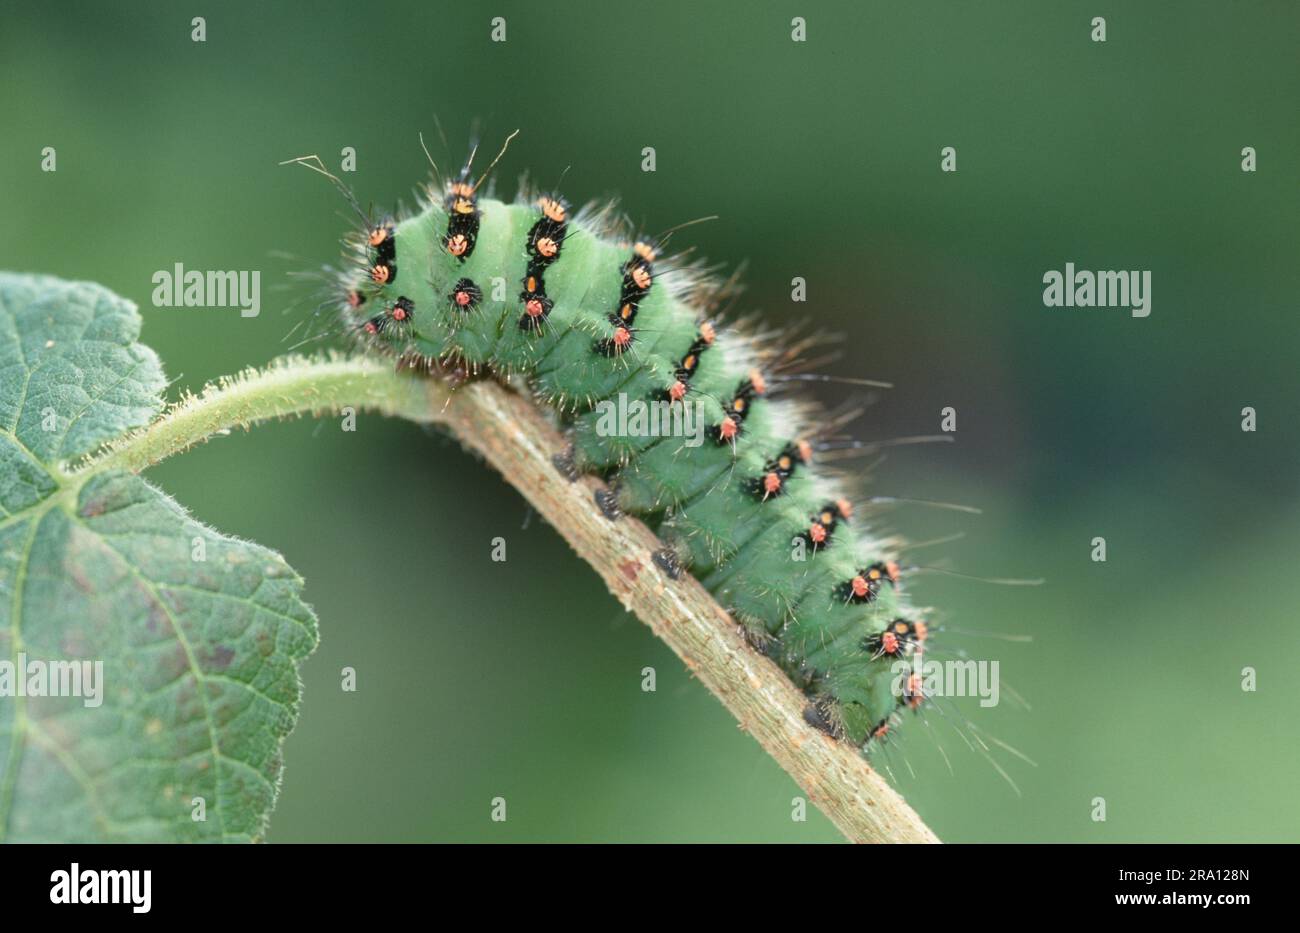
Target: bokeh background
x=481 y=679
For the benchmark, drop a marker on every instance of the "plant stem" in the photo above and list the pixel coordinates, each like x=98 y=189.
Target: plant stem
x=291 y=386
x=512 y=434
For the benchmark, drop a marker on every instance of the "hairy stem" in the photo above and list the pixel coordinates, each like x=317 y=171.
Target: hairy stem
x=518 y=440
x=292 y=386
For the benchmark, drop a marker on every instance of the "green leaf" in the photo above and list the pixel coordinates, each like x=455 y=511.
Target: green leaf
x=191 y=639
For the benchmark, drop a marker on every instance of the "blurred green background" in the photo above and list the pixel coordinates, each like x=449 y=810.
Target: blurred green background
x=481 y=679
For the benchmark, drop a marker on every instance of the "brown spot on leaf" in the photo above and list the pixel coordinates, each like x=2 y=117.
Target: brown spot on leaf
x=216 y=658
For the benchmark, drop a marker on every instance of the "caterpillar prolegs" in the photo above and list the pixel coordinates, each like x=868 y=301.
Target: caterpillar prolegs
x=591 y=320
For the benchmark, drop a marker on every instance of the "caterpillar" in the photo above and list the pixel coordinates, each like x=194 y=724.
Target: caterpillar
x=567 y=304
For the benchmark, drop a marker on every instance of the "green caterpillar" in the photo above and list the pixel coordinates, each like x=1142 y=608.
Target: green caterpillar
x=534 y=291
